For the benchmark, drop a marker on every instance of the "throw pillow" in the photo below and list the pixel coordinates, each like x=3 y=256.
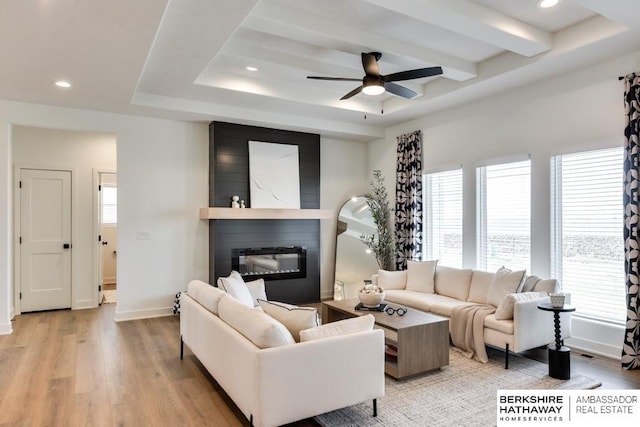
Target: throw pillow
x=256 y=325
x=294 y=318
x=529 y=283
x=341 y=327
x=549 y=286
x=235 y=286
x=505 y=308
x=257 y=291
x=420 y=276
x=506 y=282
x=392 y=279
x=453 y=282
x=205 y=294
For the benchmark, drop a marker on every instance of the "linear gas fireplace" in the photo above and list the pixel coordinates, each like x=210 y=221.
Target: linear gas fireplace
x=285 y=262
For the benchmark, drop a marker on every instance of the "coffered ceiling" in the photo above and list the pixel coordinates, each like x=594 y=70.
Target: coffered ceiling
x=187 y=59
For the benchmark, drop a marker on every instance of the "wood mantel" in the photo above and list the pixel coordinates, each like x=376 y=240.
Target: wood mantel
x=264 y=213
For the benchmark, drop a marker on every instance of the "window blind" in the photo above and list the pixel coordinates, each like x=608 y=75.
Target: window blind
x=504 y=216
x=587 y=231
x=443 y=217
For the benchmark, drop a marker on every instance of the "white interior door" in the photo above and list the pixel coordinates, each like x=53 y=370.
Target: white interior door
x=45 y=239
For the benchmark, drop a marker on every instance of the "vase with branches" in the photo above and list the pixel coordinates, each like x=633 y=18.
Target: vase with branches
x=381 y=242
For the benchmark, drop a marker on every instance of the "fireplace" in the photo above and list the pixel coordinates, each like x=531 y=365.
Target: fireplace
x=285 y=262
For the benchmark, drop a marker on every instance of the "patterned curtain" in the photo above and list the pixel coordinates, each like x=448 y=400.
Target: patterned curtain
x=408 y=225
x=631 y=345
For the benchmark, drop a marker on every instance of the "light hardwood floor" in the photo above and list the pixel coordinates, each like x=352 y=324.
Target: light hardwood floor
x=80 y=368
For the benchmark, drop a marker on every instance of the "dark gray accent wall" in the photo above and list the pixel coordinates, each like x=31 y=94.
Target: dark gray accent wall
x=229 y=175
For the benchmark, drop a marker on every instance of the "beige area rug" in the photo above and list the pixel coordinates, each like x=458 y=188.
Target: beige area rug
x=461 y=394
x=109 y=297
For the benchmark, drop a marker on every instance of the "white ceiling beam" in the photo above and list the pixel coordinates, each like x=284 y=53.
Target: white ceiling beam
x=276 y=19
x=475 y=21
x=624 y=12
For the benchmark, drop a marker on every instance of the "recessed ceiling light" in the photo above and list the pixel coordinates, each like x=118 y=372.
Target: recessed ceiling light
x=548 y=3
x=63 y=83
x=250 y=68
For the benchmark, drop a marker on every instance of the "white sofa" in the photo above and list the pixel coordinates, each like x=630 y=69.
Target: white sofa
x=516 y=325
x=278 y=380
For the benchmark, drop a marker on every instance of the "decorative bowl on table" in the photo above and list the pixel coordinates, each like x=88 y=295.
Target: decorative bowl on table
x=557 y=299
x=371 y=296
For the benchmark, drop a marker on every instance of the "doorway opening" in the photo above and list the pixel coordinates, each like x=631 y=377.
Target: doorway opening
x=108 y=235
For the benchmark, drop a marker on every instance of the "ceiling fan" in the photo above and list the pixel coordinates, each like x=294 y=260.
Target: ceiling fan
x=374 y=83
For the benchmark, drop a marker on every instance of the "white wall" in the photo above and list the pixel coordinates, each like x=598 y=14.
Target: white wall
x=79 y=152
x=578 y=111
x=162 y=178
x=343 y=174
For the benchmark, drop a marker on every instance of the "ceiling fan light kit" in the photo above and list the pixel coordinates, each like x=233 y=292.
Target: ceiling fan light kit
x=374 y=83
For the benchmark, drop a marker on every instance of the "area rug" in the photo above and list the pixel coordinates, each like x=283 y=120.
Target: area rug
x=109 y=297
x=461 y=394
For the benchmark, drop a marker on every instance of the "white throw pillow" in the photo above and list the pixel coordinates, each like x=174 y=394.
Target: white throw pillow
x=205 y=294
x=256 y=325
x=235 y=286
x=506 y=282
x=529 y=283
x=341 y=327
x=505 y=308
x=453 y=282
x=420 y=276
x=257 y=290
x=294 y=318
x=392 y=279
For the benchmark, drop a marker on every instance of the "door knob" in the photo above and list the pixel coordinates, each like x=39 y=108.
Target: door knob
x=66 y=245
x=105 y=243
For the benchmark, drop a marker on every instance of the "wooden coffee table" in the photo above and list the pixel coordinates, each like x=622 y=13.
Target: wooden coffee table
x=416 y=342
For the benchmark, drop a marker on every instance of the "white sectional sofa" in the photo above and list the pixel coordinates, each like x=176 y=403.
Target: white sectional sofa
x=273 y=379
x=509 y=299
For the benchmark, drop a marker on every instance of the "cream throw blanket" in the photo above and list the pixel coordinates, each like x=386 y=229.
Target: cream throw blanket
x=467 y=330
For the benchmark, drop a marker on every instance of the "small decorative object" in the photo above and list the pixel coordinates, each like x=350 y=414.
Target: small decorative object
x=242 y=205
x=234 y=202
x=381 y=242
x=371 y=296
x=557 y=299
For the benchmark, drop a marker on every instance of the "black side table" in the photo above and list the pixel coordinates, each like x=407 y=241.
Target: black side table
x=559 y=355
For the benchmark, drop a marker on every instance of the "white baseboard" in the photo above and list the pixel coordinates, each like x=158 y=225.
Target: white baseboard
x=84 y=304
x=325 y=295
x=595 y=348
x=123 y=316
x=6 y=329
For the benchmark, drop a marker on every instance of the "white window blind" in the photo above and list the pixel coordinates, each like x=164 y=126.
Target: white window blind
x=504 y=216
x=443 y=217
x=587 y=253
x=109 y=205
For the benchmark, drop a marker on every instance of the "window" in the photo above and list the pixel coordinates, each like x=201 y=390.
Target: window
x=587 y=253
x=443 y=217
x=504 y=216
x=109 y=205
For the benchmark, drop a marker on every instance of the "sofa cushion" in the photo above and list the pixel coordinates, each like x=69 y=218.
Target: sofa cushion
x=234 y=285
x=415 y=299
x=504 y=283
x=529 y=283
x=420 y=276
x=341 y=327
x=549 y=286
x=443 y=306
x=504 y=326
x=505 y=308
x=294 y=318
x=257 y=290
x=392 y=279
x=256 y=325
x=453 y=282
x=205 y=294
x=480 y=285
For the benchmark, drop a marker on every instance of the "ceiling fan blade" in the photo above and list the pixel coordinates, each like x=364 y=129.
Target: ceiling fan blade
x=352 y=93
x=340 y=79
x=412 y=74
x=399 y=90
x=370 y=64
